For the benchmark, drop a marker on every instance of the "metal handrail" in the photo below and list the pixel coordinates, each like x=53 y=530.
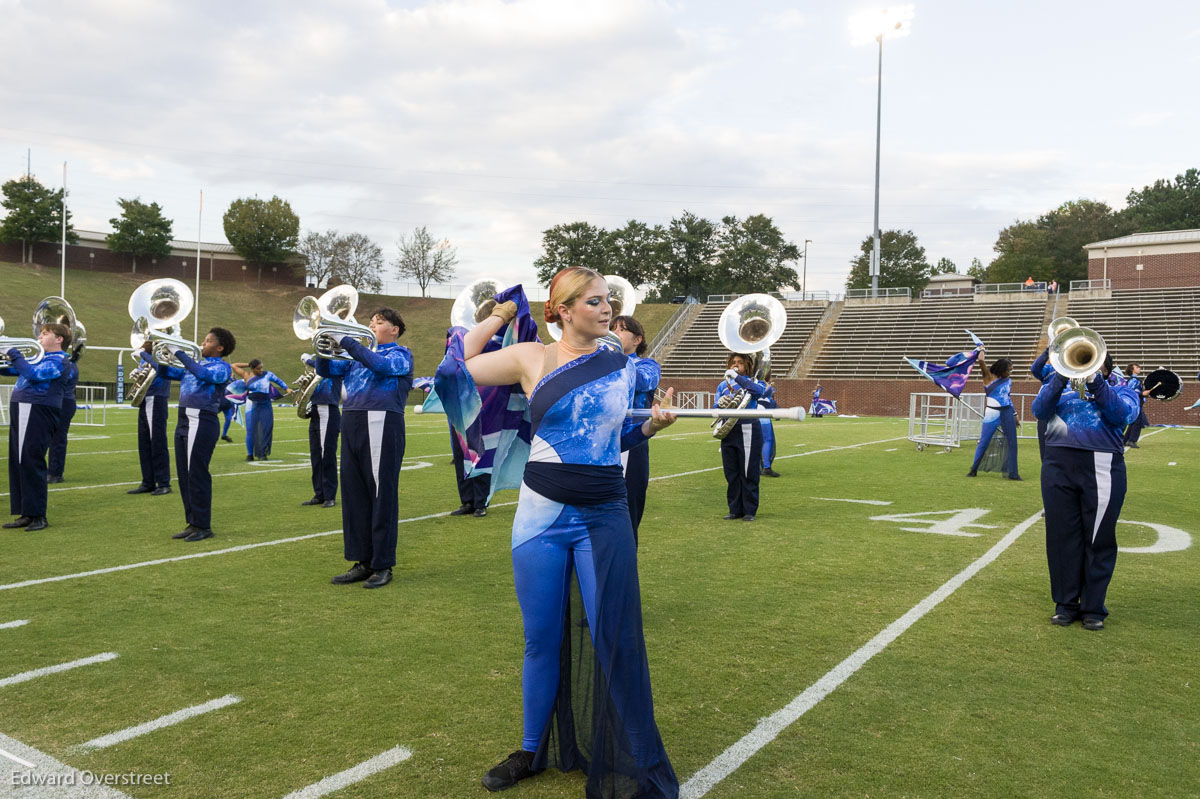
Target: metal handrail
x=900 y=291
x=1009 y=288
x=686 y=313
x=1091 y=285
x=813 y=336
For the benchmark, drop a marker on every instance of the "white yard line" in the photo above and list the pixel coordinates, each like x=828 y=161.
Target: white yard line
x=856 y=501
x=114 y=738
x=769 y=728
x=47 y=778
x=8 y=625
x=779 y=458
x=350 y=776
x=26 y=676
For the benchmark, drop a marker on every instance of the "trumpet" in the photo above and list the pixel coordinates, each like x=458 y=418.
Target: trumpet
x=157 y=307
x=329 y=318
x=1077 y=353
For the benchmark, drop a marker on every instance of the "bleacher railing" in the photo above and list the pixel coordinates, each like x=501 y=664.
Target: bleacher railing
x=1010 y=288
x=1091 y=285
x=683 y=315
x=860 y=294
x=783 y=296
x=961 y=291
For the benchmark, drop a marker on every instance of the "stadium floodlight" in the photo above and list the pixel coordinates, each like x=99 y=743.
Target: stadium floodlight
x=865 y=27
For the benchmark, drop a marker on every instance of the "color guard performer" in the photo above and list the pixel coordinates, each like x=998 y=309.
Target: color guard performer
x=260 y=414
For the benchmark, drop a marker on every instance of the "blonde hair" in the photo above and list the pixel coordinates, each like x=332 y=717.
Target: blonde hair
x=566 y=287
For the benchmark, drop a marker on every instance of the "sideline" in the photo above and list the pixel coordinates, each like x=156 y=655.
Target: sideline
x=769 y=728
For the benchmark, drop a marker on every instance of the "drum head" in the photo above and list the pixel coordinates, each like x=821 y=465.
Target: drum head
x=1163 y=384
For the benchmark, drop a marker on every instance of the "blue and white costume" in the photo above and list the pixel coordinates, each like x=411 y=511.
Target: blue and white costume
x=572 y=518
x=58 y=444
x=1134 y=431
x=1083 y=488
x=153 y=452
x=768 y=428
x=741 y=451
x=33 y=417
x=376 y=388
x=636 y=461
x=324 y=427
x=999 y=414
x=196 y=433
x=260 y=414
x=1042 y=371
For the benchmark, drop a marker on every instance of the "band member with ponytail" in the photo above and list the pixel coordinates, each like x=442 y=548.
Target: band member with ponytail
x=636 y=460
x=33 y=416
x=260 y=414
x=573 y=519
x=741 y=449
x=377 y=385
x=58 y=445
x=999 y=414
x=202 y=384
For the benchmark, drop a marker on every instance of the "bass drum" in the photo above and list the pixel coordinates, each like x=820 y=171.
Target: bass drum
x=1163 y=384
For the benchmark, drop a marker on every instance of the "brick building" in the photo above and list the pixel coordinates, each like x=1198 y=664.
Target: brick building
x=217 y=261
x=1147 y=260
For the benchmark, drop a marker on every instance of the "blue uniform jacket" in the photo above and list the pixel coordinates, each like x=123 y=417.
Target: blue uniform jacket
x=161 y=387
x=1097 y=425
x=259 y=386
x=203 y=382
x=39 y=383
x=648 y=374
x=377 y=380
x=756 y=389
x=329 y=391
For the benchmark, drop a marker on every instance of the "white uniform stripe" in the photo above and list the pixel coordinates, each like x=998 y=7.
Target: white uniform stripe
x=193 y=416
x=747 y=437
x=112 y=739
x=350 y=776
x=1103 y=488
x=322 y=412
x=151 y=409
x=375 y=420
x=625 y=462
x=22 y=423
x=26 y=676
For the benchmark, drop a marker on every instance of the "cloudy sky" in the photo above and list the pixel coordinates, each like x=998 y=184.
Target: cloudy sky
x=490 y=121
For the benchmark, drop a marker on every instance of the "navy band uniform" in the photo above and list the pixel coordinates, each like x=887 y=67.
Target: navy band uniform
x=34 y=410
x=58 y=445
x=153 y=451
x=324 y=428
x=741 y=453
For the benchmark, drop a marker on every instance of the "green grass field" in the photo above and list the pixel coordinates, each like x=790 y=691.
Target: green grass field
x=978 y=696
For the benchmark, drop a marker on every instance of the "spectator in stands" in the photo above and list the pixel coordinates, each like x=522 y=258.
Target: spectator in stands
x=1134 y=381
x=999 y=414
x=1029 y=282
x=1053 y=287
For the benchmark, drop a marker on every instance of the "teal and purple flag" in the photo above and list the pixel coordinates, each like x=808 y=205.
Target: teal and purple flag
x=951 y=375
x=491 y=422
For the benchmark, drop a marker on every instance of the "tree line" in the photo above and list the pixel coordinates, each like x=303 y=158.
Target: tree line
x=263 y=232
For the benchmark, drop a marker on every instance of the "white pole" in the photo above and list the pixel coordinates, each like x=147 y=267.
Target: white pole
x=804 y=276
x=62 y=288
x=196 y=320
x=875 y=265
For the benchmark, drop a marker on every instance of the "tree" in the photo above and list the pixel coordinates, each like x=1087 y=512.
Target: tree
x=901 y=262
x=140 y=230
x=693 y=247
x=752 y=256
x=639 y=253
x=318 y=252
x=34 y=214
x=944 y=266
x=1051 y=248
x=573 y=244
x=262 y=231
x=425 y=260
x=1165 y=205
x=977 y=270
x=359 y=262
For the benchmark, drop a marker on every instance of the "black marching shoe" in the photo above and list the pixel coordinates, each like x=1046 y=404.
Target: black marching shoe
x=20 y=521
x=516 y=767
x=379 y=579
x=40 y=523
x=971 y=473
x=185 y=532
x=160 y=491
x=749 y=517
x=770 y=472
x=199 y=534
x=54 y=478
x=357 y=573
x=1133 y=446
x=313 y=501
x=140 y=490
x=329 y=503
x=480 y=513
x=1089 y=622
x=1062 y=619
x=249 y=457
x=465 y=509
x=227 y=438
x=731 y=516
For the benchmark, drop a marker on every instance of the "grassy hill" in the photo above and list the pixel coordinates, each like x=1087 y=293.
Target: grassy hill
x=260 y=317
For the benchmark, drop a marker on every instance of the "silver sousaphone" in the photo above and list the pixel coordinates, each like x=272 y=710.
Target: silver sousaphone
x=157 y=308
x=475 y=302
x=749 y=325
x=325 y=320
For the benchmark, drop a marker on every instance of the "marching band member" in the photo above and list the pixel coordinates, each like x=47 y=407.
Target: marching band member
x=197 y=429
x=227 y=409
x=153 y=457
x=377 y=385
x=768 y=431
x=1042 y=371
x=999 y=414
x=1083 y=488
x=741 y=449
x=260 y=415
x=33 y=417
x=636 y=460
x=1134 y=381
x=58 y=444
x=572 y=516
x=324 y=426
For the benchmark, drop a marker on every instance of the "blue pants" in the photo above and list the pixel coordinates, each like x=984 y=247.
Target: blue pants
x=1006 y=421
x=768 y=446
x=637 y=478
x=372 y=451
x=152 y=442
x=1134 y=431
x=196 y=435
x=260 y=427
x=1082 y=492
x=31 y=427
x=472 y=491
x=228 y=409
x=741 y=458
x=324 y=425
x=58 y=445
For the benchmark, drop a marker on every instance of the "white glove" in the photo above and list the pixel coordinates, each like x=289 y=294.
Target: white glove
x=731 y=374
x=304 y=358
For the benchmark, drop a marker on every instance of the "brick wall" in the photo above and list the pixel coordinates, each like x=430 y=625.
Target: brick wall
x=891 y=397
x=1165 y=270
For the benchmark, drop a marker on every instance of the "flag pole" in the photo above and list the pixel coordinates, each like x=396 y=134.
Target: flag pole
x=199 y=222
x=62 y=287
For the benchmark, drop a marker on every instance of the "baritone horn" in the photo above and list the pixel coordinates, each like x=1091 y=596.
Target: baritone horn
x=1059 y=325
x=157 y=307
x=30 y=348
x=329 y=318
x=475 y=302
x=749 y=326
x=1077 y=353
x=56 y=310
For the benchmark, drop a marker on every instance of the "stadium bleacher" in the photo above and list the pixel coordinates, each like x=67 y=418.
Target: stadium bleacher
x=699 y=352
x=1154 y=327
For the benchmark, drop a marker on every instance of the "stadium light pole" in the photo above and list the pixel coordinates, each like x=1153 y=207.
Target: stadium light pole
x=804 y=273
x=877 y=25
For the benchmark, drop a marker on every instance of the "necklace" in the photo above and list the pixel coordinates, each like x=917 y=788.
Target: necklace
x=572 y=353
